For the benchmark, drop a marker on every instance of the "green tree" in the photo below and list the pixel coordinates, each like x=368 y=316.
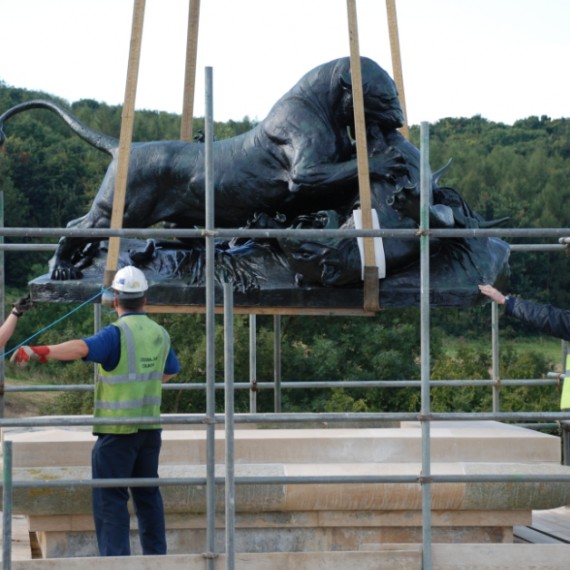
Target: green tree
x=49 y=177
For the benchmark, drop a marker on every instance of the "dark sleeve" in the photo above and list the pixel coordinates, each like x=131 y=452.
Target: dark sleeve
x=545 y=318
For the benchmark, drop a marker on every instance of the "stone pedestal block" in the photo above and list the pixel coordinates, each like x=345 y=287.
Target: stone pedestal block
x=280 y=515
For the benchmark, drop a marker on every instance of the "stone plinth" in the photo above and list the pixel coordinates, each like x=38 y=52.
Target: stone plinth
x=288 y=517
x=386 y=557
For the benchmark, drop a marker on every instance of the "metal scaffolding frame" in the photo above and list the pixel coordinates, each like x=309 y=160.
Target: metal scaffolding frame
x=229 y=419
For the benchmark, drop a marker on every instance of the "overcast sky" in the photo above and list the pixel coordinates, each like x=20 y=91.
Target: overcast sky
x=502 y=59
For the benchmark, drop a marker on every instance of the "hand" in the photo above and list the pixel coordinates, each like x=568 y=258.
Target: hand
x=26 y=354
x=493 y=294
x=389 y=164
x=21 y=306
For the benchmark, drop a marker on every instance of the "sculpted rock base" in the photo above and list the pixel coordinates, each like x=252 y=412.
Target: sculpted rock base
x=169 y=284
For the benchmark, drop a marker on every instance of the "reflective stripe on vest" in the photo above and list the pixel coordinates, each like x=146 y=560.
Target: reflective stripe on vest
x=134 y=387
x=132 y=375
x=130 y=405
x=565 y=399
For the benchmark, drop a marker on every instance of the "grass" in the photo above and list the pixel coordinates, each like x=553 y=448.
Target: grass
x=549 y=347
x=27 y=404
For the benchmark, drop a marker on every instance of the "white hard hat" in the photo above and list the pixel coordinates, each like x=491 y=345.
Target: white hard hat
x=130 y=282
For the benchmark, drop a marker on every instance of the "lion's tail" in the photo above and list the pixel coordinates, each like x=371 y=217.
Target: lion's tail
x=94 y=138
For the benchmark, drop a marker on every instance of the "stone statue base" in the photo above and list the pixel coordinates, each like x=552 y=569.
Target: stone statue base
x=308 y=517
x=176 y=278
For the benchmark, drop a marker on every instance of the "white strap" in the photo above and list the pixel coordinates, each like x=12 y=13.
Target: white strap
x=379 y=254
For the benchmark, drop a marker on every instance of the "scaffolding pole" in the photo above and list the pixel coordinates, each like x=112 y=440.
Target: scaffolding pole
x=425 y=191
x=210 y=329
x=230 y=494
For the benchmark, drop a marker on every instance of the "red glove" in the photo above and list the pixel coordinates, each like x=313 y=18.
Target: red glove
x=27 y=353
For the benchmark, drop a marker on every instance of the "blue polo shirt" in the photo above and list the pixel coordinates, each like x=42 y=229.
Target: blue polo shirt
x=105 y=349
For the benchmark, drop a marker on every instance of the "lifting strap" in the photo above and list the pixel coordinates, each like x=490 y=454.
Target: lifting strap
x=127 y=122
x=190 y=71
x=371 y=283
x=397 y=61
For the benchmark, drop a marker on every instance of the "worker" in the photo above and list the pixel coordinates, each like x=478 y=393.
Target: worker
x=9 y=325
x=545 y=318
x=135 y=356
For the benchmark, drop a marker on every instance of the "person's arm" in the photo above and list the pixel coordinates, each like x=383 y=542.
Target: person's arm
x=9 y=325
x=7 y=329
x=69 y=350
x=493 y=294
x=545 y=318
x=171 y=366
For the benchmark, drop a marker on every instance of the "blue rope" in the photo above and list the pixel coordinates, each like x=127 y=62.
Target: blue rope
x=57 y=321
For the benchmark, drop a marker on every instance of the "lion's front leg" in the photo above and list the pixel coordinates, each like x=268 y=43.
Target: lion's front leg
x=75 y=253
x=390 y=165
x=62 y=265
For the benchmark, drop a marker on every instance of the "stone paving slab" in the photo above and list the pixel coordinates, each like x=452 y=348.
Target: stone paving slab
x=388 y=557
x=457 y=442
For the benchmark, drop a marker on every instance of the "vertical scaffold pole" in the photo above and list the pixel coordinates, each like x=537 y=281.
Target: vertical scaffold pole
x=277 y=363
x=210 y=330
x=2 y=303
x=230 y=487
x=127 y=122
x=425 y=187
x=495 y=357
x=252 y=363
x=565 y=425
x=7 y=497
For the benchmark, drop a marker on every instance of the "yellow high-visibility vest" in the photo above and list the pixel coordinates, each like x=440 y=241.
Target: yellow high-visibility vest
x=134 y=388
x=565 y=399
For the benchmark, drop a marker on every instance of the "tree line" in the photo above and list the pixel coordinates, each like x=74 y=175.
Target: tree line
x=49 y=176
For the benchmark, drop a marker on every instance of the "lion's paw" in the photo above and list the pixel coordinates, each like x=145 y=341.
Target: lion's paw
x=64 y=271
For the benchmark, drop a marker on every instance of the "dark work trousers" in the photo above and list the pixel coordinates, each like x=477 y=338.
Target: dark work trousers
x=127 y=456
